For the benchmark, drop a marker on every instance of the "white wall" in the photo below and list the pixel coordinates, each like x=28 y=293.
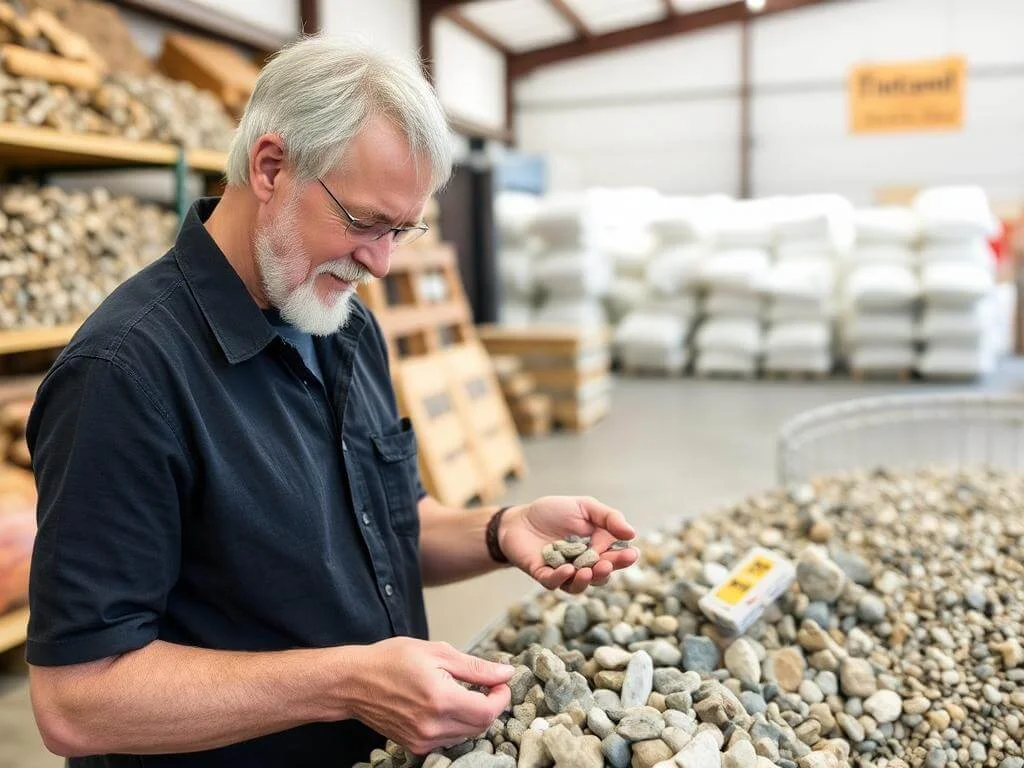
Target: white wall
x=279 y=15
x=391 y=25
x=803 y=141
x=662 y=114
x=469 y=75
x=666 y=114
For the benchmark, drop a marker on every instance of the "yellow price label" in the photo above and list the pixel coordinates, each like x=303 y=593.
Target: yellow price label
x=733 y=591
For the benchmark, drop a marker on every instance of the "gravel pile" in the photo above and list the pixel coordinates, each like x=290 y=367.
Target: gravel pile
x=900 y=644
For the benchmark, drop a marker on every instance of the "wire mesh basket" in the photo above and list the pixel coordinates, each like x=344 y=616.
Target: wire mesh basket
x=904 y=432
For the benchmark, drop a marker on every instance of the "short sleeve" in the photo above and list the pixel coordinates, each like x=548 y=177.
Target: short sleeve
x=112 y=475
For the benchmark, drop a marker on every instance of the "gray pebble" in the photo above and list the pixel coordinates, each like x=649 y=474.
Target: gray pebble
x=827 y=682
x=819 y=613
x=871 y=609
x=576 y=621
x=639 y=680
x=700 y=654
x=552 y=557
x=854 y=566
x=754 y=703
x=599 y=722
x=587 y=560
x=616 y=750
x=664 y=654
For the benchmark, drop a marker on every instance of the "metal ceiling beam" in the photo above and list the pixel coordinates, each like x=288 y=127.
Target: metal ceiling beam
x=566 y=12
x=455 y=16
x=677 y=24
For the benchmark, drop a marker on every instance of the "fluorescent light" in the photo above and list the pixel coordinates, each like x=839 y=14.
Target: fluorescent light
x=755 y=6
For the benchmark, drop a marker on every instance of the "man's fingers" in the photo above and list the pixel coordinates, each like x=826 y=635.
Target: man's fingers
x=602 y=570
x=476 y=711
x=620 y=558
x=474 y=670
x=579 y=582
x=553 y=578
x=605 y=517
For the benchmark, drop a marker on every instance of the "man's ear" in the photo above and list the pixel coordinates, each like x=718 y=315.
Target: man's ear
x=265 y=163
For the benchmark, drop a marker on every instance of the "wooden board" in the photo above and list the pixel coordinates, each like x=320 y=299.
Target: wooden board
x=568 y=378
x=449 y=471
x=210 y=66
x=506 y=366
x=13 y=629
x=548 y=340
x=518 y=386
x=578 y=418
x=26 y=146
x=32 y=339
x=485 y=415
x=208 y=160
x=880 y=374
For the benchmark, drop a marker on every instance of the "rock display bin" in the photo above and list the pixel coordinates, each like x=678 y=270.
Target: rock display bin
x=909 y=653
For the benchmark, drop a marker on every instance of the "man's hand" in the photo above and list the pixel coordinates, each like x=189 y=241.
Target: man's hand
x=527 y=529
x=409 y=691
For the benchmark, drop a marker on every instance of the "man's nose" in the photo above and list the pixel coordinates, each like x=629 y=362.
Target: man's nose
x=376 y=255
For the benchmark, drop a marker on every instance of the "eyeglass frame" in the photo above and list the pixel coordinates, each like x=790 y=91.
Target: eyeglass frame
x=422 y=229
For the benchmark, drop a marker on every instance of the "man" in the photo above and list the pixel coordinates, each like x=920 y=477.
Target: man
x=232 y=541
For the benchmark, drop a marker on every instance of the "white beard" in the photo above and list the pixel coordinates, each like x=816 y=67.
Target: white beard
x=301 y=306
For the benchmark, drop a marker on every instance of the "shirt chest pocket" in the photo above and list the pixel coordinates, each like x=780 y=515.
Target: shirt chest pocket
x=395 y=463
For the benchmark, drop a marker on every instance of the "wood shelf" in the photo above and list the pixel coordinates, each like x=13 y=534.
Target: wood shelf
x=13 y=629
x=34 y=339
x=26 y=146
x=208 y=160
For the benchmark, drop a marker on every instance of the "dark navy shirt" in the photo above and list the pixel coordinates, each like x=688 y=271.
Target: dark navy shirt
x=198 y=484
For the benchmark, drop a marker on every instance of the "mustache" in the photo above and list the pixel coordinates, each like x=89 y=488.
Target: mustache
x=347 y=270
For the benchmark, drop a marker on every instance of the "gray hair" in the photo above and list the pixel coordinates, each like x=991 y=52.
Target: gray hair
x=319 y=92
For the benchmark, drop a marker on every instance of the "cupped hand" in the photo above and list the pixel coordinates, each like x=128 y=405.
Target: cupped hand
x=527 y=529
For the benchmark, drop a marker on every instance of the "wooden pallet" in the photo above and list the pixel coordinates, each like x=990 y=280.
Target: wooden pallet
x=413 y=321
x=424 y=314
x=579 y=417
x=491 y=429
x=532 y=414
x=449 y=471
x=796 y=375
x=881 y=374
x=534 y=345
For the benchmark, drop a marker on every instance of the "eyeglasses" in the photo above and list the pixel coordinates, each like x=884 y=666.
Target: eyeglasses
x=368 y=231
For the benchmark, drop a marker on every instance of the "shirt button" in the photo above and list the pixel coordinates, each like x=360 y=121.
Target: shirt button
x=366 y=519
x=389 y=590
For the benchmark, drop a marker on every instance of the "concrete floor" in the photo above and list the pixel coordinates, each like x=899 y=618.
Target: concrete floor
x=669 y=448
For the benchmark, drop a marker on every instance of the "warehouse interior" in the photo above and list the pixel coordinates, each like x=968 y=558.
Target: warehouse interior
x=747 y=271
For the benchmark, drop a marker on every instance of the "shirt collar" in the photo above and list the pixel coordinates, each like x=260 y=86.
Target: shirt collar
x=235 y=319
x=238 y=324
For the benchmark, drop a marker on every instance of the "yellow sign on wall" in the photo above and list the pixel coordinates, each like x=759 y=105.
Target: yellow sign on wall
x=916 y=96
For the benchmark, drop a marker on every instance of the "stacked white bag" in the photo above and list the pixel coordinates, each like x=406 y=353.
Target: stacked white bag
x=570 y=273
x=729 y=339
x=653 y=336
x=813 y=233
x=619 y=228
x=514 y=214
x=880 y=291
x=961 y=325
